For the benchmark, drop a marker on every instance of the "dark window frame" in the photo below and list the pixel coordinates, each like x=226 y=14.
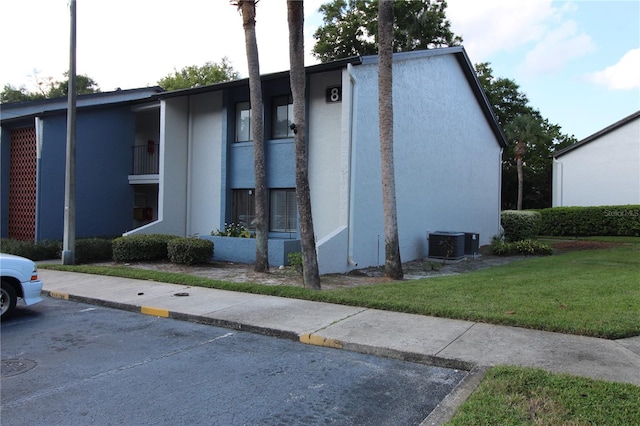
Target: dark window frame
x=283 y=212
x=240 y=136
x=243 y=207
x=281 y=106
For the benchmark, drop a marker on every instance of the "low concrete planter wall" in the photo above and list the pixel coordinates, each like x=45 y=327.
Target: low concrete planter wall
x=243 y=250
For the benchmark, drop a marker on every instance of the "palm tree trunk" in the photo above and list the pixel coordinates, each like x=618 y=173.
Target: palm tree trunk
x=248 y=9
x=295 y=14
x=393 y=264
x=519 y=154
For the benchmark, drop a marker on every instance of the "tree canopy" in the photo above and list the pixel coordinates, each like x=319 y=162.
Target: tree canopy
x=523 y=123
x=196 y=76
x=48 y=88
x=350 y=28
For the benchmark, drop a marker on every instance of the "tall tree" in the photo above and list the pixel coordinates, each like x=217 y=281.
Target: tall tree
x=84 y=85
x=522 y=129
x=48 y=88
x=392 y=265
x=248 y=10
x=196 y=76
x=295 y=18
x=535 y=168
x=350 y=28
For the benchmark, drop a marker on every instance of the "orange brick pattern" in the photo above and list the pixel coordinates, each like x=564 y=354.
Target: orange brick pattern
x=22 y=184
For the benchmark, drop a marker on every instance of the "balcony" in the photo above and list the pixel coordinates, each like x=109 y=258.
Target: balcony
x=146 y=159
x=145 y=166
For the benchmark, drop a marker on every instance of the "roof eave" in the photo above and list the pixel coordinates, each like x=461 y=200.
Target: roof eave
x=598 y=134
x=244 y=82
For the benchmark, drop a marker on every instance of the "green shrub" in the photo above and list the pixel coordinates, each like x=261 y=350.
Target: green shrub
x=41 y=250
x=141 y=247
x=520 y=224
x=586 y=221
x=526 y=247
x=93 y=250
x=295 y=261
x=233 y=230
x=189 y=251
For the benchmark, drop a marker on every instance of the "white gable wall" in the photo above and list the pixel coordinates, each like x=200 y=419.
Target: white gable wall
x=206 y=169
x=602 y=172
x=327 y=158
x=447 y=159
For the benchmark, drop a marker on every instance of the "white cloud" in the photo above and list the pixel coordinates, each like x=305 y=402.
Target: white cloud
x=623 y=75
x=556 y=48
x=492 y=26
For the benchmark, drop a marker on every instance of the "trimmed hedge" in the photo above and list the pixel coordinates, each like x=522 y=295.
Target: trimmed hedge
x=141 y=247
x=86 y=249
x=93 y=250
x=520 y=224
x=41 y=250
x=586 y=221
x=189 y=251
x=526 y=247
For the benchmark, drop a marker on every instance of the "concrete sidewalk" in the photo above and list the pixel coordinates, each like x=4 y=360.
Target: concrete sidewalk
x=442 y=342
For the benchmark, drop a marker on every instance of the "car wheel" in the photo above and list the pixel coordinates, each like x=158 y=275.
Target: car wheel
x=8 y=299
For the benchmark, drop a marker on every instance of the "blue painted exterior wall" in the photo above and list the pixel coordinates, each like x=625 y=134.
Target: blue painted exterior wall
x=279 y=153
x=105 y=135
x=243 y=250
x=104 y=198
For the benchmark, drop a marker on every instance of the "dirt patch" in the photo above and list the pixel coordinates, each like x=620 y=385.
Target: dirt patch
x=573 y=245
x=234 y=272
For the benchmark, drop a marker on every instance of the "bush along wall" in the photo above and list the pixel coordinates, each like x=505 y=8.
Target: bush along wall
x=520 y=225
x=41 y=250
x=190 y=251
x=586 y=221
x=86 y=249
x=141 y=247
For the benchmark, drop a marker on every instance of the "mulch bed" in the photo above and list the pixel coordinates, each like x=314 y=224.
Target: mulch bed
x=564 y=246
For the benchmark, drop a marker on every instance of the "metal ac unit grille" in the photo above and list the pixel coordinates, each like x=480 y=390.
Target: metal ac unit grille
x=446 y=245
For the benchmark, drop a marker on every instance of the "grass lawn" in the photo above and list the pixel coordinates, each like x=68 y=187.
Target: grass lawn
x=591 y=292
x=526 y=396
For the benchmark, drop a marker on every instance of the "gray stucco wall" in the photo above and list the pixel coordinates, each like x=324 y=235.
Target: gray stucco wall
x=446 y=155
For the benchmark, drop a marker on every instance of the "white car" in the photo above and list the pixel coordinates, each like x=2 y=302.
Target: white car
x=19 y=281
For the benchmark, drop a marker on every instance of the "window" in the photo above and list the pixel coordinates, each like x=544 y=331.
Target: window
x=243 y=122
x=283 y=211
x=244 y=207
x=282 y=117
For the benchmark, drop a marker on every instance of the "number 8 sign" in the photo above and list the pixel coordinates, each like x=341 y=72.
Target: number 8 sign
x=334 y=94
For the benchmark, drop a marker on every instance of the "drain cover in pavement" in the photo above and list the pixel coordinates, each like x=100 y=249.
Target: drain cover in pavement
x=13 y=367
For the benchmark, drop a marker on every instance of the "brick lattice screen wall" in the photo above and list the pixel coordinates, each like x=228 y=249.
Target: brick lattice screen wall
x=22 y=184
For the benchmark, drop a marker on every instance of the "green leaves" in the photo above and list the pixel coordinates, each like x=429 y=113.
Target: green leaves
x=197 y=76
x=350 y=28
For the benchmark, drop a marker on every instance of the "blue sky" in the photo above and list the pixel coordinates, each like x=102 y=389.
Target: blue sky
x=577 y=61
x=573 y=67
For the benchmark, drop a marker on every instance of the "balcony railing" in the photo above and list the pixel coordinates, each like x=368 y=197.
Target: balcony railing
x=145 y=159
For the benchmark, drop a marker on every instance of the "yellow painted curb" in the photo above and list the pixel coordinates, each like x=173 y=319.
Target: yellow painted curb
x=156 y=312
x=58 y=295
x=312 y=339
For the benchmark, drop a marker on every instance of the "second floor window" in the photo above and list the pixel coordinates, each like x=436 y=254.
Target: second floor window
x=243 y=122
x=282 y=117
